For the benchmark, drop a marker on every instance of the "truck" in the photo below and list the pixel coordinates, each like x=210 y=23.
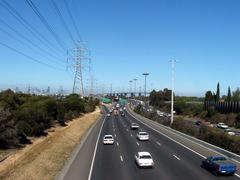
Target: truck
x=219 y=165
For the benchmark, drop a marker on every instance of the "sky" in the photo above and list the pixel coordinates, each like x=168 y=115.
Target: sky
x=126 y=38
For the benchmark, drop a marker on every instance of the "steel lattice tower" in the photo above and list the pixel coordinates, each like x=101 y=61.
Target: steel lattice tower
x=78 y=56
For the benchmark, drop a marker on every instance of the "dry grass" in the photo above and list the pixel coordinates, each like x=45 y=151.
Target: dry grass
x=46 y=156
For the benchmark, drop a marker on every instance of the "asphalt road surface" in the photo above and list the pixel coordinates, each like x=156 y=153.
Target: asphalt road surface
x=116 y=162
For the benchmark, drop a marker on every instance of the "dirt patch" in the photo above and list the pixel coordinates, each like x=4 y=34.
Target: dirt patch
x=45 y=157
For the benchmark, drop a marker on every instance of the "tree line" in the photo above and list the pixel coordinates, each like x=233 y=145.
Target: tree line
x=216 y=96
x=23 y=115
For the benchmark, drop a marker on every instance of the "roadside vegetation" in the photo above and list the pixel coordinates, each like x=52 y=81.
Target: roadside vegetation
x=23 y=115
x=194 y=107
x=203 y=132
x=190 y=109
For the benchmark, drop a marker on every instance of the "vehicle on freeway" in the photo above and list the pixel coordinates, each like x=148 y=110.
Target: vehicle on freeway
x=161 y=114
x=219 y=165
x=134 y=126
x=117 y=106
x=143 y=136
x=198 y=123
x=167 y=115
x=124 y=108
x=222 y=126
x=144 y=159
x=108 y=114
x=122 y=114
x=230 y=132
x=108 y=139
x=110 y=111
x=115 y=112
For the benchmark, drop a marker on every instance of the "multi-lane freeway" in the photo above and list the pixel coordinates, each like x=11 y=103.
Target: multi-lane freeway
x=172 y=160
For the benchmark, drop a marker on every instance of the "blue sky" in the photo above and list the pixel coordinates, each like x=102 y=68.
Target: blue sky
x=128 y=38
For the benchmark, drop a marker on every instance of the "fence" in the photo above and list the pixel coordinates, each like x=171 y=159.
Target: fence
x=224 y=106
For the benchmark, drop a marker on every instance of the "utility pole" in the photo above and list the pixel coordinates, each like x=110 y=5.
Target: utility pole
x=145 y=74
x=135 y=83
x=173 y=79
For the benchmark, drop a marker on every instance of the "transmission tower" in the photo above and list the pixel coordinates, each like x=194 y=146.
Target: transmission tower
x=80 y=61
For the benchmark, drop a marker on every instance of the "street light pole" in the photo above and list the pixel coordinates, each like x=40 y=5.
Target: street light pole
x=145 y=74
x=130 y=83
x=172 y=94
x=135 y=83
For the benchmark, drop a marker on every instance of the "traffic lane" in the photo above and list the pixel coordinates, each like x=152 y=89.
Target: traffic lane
x=107 y=164
x=189 y=160
x=77 y=169
x=169 y=160
x=129 y=148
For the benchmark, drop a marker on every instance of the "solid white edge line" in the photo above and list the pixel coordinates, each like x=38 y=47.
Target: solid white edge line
x=174 y=140
x=95 y=150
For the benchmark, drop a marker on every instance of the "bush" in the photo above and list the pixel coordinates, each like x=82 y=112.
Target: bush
x=237 y=122
x=8 y=132
x=23 y=115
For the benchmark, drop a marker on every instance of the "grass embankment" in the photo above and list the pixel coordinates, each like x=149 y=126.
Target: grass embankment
x=45 y=157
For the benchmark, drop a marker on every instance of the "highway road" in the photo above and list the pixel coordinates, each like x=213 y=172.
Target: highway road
x=172 y=161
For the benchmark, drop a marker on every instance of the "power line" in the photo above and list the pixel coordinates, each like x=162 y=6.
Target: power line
x=72 y=19
x=27 y=25
x=45 y=23
x=26 y=39
x=22 y=42
x=29 y=57
x=62 y=20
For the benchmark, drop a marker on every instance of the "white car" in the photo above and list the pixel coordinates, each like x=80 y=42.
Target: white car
x=143 y=136
x=230 y=132
x=108 y=115
x=222 y=126
x=144 y=159
x=108 y=139
x=134 y=126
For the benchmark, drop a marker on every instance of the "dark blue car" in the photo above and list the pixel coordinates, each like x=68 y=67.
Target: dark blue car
x=219 y=165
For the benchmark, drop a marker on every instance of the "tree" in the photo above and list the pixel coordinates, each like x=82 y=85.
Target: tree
x=8 y=132
x=218 y=92
x=236 y=95
x=229 y=96
x=209 y=96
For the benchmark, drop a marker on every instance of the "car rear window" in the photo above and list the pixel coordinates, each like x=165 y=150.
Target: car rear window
x=219 y=159
x=145 y=157
x=108 y=137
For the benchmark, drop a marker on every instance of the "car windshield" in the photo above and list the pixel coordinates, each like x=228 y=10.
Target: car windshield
x=145 y=157
x=142 y=133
